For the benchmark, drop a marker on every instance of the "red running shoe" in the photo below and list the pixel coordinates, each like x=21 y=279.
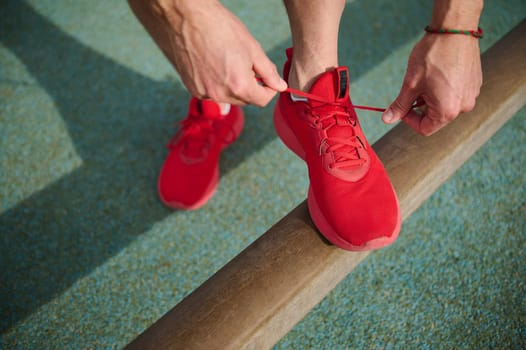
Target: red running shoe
x=351 y=199
x=190 y=173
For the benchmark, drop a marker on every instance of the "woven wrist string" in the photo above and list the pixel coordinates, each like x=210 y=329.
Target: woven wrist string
x=478 y=34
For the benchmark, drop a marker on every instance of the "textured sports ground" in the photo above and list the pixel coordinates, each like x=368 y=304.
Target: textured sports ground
x=90 y=258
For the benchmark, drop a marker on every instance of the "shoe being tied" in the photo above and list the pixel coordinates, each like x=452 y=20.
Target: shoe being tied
x=190 y=173
x=351 y=199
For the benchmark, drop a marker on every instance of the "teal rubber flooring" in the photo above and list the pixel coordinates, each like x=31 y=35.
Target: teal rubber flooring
x=90 y=258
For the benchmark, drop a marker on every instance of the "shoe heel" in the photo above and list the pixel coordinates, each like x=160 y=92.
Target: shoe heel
x=286 y=134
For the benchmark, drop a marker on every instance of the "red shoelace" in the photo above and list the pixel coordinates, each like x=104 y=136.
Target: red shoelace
x=195 y=129
x=193 y=132
x=334 y=118
x=324 y=100
x=345 y=149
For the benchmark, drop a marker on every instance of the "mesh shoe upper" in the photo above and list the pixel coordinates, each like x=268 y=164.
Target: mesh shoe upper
x=190 y=173
x=351 y=199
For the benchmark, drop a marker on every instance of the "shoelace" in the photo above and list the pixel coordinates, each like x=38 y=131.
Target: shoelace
x=345 y=150
x=324 y=100
x=194 y=131
x=196 y=128
x=344 y=144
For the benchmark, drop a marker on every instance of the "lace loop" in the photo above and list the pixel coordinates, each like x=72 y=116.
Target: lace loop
x=197 y=133
x=194 y=128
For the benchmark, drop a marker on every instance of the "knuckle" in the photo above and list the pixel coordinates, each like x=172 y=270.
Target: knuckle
x=411 y=81
x=469 y=105
x=420 y=130
x=262 y=99
x=259 y=101
x=238 y=87
x=428 y=131
x=201 y=94
x=266 y=101
x=208 y=92
x=425 y=132
x=399 y=105
x=477 y=94
x=214 y=96
x=450 y=116
x=410 y=85
x=450 y=112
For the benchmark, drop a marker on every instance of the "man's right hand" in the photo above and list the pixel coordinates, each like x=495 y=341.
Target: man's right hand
x=211 y=49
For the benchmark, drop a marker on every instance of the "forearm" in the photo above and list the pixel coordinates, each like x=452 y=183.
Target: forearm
x=176 y=15
x=211 y=49
x=177 y=8
x=456 y=14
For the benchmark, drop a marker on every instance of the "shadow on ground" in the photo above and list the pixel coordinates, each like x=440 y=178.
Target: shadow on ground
x=63 y=232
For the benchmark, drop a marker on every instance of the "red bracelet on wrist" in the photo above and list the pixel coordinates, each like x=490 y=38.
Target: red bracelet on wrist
x=478 y=34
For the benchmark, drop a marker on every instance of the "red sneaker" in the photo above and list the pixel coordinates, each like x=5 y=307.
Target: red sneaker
x=190 y=173
x=351 y=199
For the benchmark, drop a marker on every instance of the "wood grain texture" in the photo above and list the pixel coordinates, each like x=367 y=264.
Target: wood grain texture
x=263 y=292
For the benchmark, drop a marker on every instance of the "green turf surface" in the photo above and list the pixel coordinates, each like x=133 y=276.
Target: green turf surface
x=90 y=258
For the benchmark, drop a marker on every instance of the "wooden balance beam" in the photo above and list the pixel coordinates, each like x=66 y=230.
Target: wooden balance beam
x=263 y=292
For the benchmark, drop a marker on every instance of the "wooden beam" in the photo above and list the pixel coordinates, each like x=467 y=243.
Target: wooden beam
x=263 y=292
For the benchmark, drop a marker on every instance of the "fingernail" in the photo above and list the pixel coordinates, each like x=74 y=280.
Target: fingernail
x=388 y=116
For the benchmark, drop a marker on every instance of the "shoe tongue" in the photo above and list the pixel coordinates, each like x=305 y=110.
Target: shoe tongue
x=204 y=111
x=332 y=85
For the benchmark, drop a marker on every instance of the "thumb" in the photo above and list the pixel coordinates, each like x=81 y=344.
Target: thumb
x=400 y=106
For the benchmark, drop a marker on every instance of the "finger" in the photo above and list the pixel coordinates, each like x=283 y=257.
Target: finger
x=219 y=98
x=247 y=91
x=468 y=103
x=413 y=119
x=401 y=106
x=429 y=126
x=422 y=123
x=266 y=70
x=246 y=88
x=260 y=95
x=235 y=101
x=227 y=100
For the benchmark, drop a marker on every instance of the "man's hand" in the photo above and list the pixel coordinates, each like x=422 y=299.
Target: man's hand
x=211 y=49
x=443 y=72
